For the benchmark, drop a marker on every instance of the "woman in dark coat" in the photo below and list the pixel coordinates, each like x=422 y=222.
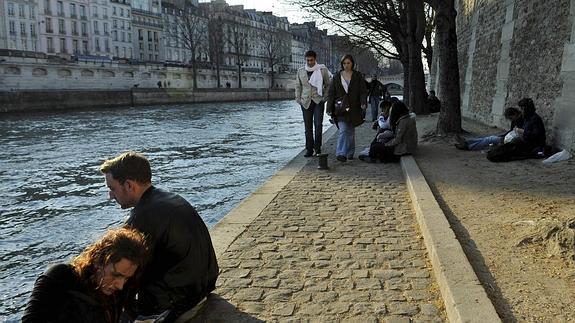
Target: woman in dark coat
x=346 y=103
x=404 y=139
x=94 y=287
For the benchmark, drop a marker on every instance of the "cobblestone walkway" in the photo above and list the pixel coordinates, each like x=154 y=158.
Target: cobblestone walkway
x=336 y=245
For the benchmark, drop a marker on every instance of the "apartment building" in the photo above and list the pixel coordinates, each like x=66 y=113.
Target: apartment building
x=20 y=28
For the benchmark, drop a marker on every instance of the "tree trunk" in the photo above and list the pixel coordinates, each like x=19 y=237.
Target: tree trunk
x=415 y=33
x=446 y=49
x=194 y=74
x=405 y=65
x=239 y=75
x=272 y=76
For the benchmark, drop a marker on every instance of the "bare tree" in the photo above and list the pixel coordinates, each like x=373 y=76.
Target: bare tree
x=274 y=52
x=449 y=86
x=187 y=26
x=237 y=40
x=216 y=46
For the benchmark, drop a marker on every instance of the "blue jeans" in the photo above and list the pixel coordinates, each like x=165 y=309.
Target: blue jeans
x=345 y=140
x=482 y=143
x=374 y=106
x=313 y=118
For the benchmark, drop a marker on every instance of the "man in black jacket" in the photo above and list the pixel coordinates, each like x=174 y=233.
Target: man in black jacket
x=183 y=268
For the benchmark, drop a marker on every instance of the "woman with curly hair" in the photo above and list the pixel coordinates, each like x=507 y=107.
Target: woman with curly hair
x=95 y=286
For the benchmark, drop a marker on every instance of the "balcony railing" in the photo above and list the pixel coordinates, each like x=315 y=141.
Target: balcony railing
x=62 y=32
x=75 y=33
x=84 y=18
x=51 y=50
x=47 y=11
x=50 y=30
x=74 y=16
x=61 y=14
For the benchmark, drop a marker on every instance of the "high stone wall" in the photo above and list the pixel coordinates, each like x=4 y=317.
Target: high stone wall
x=510 y=49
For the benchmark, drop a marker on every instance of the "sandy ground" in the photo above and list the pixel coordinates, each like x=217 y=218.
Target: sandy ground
x=507 y=217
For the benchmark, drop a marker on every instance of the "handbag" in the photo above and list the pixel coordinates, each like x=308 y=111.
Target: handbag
x=342 y=106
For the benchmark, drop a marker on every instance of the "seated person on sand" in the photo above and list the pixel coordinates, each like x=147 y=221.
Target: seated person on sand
x=530 y=141
x=404 y=140
x=481 y=143
x=94 y=287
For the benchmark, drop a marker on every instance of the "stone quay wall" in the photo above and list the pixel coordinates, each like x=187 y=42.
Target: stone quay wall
x=27 y=101
x=53 y=73
x=511 y=49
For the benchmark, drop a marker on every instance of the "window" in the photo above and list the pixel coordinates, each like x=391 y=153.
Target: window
x=32 y=13
x=95 y=11
x=149 y=46
x=75 y=46
x=141 y=46
x=129 y=37
x=115 y=23
x=85 y=47
x=116 y=51
x=49 y=25
x=105 y=13
x=63 y=45
x=61 y=27
x=12 y=27
x=96 y=31
x=155 y=36
x=123 y=51
x=23 y=29
x=129 y=52
x=11 y=9
x=107 y=45
x=33 y=30
x=123 y=24
x=50 y=44
x=83 y=12
x=128 y=15
x=115 y=35
x=149 y=36
x=74 y=28
x=97 y=44
x=106 y=28
x=114 y=11
x=47 y=7
x=21 y=11
x=84 y=29
x=121 y=12
x=123 y=36
x=60 y=8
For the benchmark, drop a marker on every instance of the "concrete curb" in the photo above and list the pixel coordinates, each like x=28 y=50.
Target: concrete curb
x=233 y=224
x=464 y=297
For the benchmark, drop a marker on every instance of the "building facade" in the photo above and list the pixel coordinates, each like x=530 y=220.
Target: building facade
x=19 y=30
x=147 y=29
x=121 y=35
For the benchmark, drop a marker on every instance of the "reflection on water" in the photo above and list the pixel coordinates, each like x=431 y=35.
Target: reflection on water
x=54 y=200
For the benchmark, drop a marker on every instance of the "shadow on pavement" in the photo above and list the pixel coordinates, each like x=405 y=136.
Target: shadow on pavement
x=217 y=309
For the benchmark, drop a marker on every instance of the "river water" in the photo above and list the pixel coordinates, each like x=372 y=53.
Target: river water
x=54 y=200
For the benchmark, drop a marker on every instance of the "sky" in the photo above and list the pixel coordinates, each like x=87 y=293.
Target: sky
x=278 y=7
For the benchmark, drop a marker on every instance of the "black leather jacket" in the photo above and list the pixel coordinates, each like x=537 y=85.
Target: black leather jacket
x=183 y=268
x=59 y=296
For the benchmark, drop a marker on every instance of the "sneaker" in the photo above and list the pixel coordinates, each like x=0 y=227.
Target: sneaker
x=317 y=152
x=341 y=158
x=308 y=154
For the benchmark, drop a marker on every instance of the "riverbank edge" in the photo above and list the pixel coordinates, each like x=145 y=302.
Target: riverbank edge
x=463 y=295
x=46 y=101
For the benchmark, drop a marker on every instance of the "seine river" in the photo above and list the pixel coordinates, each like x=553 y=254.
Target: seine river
x=54 y=200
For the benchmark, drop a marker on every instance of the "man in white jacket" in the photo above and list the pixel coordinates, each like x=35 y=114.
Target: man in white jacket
x=311 y=88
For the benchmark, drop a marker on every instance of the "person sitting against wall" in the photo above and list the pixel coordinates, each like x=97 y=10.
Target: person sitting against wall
x=480 y=143
x=404 y=140
x=530 y=141
x=384 y=133
x=95 y=286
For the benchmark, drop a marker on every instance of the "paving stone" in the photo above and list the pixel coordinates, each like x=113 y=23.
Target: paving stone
x=284 y=309
x=249 y=294
x=308 y=257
